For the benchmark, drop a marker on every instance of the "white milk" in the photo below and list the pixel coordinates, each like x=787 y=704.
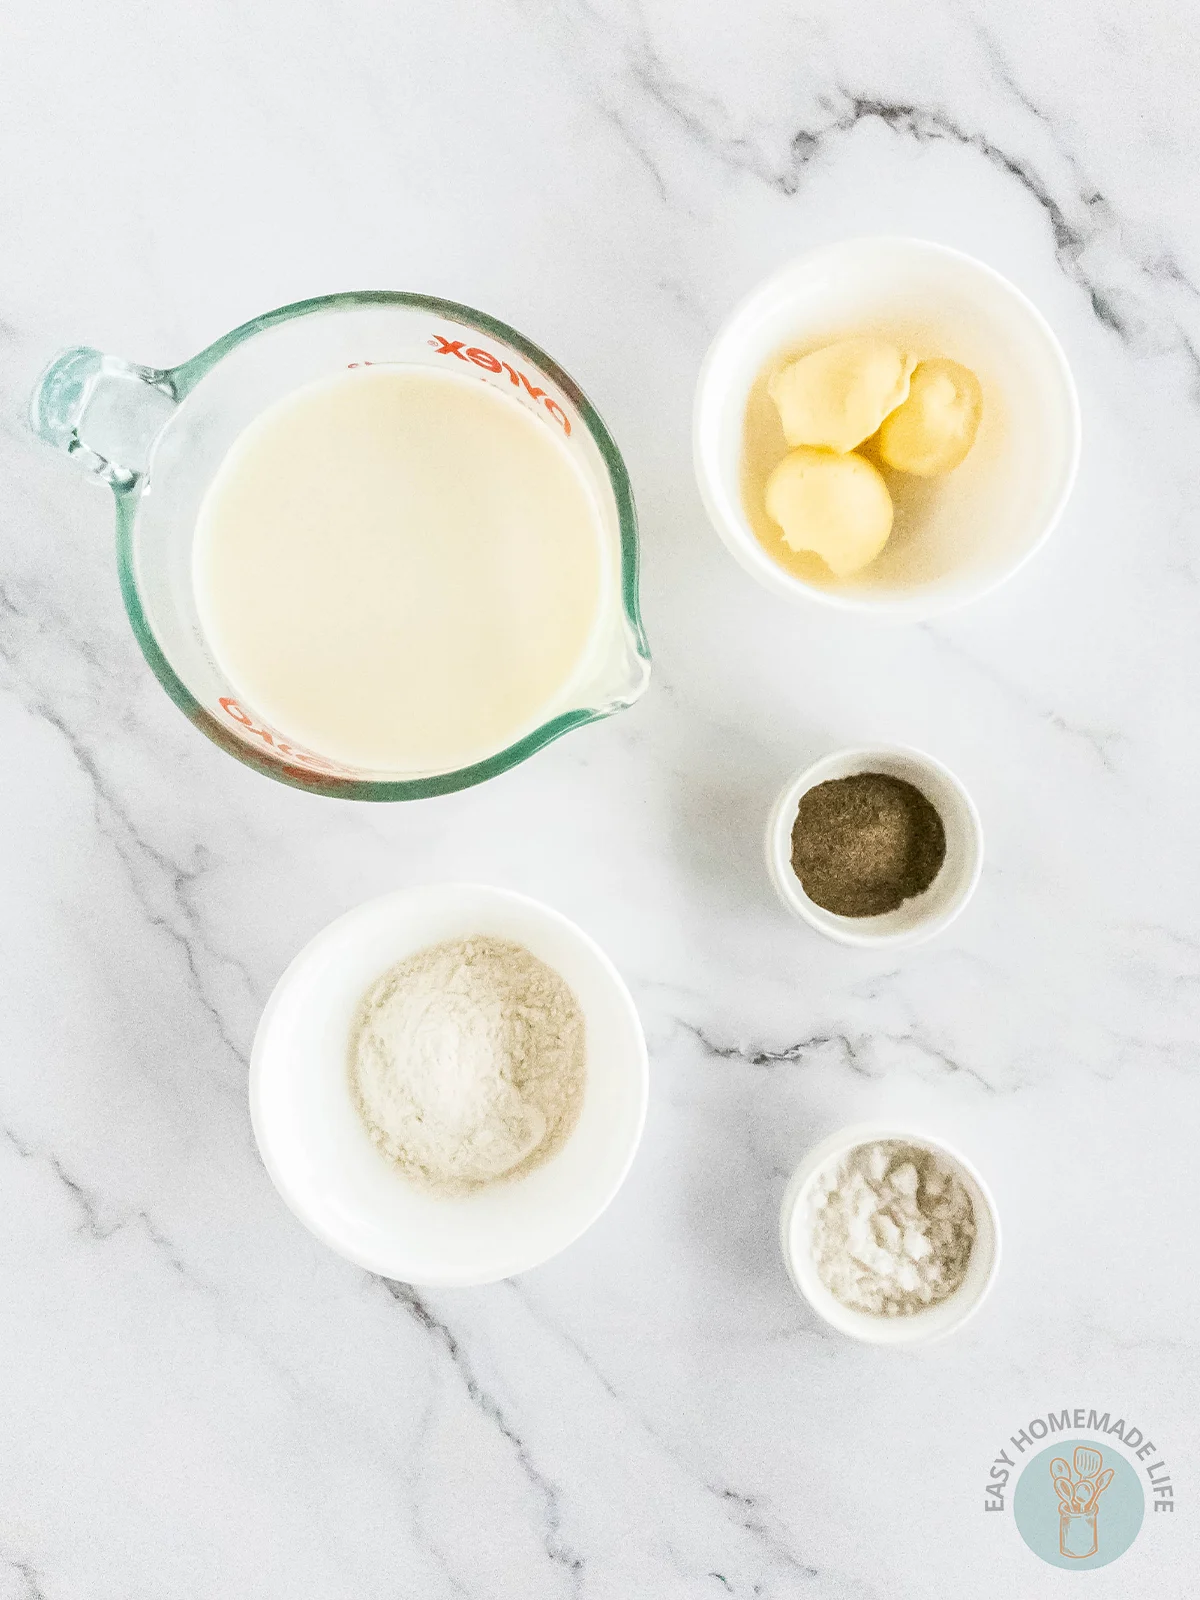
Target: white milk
x=399 y=569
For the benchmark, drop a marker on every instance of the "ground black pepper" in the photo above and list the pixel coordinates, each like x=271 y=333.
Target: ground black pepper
x=863 y=845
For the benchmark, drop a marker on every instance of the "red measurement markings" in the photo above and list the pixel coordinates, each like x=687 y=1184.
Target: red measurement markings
x=234 y=711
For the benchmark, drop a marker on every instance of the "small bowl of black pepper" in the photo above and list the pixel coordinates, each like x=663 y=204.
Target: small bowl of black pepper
x=880 y=845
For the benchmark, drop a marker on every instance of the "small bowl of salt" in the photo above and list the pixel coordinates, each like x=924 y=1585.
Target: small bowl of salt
x=449 y=1084
x=891 y=1236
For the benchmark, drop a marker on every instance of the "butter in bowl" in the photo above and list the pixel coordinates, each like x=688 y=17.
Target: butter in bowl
x=885 y=426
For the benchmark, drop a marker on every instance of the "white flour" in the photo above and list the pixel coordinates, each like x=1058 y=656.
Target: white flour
x=467 y=1062
x=892 y=1228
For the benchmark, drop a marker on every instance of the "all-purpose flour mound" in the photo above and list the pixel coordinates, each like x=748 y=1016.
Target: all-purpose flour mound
x=468 y=1063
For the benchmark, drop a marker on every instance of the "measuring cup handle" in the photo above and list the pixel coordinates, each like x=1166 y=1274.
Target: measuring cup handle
x=103 y=411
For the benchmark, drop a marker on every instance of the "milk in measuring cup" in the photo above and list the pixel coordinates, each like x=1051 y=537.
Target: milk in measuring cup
x=400 y=569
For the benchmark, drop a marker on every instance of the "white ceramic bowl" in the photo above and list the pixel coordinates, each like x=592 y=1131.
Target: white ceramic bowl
x=920 y=917
x=317 y=1151
x=956 y=537
x=922 y=1327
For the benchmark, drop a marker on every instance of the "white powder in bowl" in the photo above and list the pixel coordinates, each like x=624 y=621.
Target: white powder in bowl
x=892 y=1228
x=468 y=1063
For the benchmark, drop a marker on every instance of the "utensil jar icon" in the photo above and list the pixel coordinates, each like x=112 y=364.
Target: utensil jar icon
x=1079 y=1491
x=1077 y=1533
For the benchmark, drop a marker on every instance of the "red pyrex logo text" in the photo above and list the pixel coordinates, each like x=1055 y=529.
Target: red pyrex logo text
x=490 y=363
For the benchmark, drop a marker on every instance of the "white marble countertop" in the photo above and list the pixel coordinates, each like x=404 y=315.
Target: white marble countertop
x=198 y=1400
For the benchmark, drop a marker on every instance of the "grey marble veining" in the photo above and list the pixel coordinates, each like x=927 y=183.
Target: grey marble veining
x=198 y=1400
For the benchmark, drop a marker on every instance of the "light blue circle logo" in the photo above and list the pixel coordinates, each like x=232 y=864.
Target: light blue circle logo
x=1079 y=1505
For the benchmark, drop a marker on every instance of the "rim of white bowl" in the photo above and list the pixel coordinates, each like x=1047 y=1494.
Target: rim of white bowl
x=921 y=1327
x=852 y=930
x=727 y=518
x=260 y=1123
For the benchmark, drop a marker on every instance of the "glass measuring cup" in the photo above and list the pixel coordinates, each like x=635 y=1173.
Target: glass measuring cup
x=157 y=437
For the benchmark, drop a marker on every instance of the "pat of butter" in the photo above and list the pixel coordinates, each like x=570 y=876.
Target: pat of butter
x=838 y=396
x=934 y=429
x=835 y=505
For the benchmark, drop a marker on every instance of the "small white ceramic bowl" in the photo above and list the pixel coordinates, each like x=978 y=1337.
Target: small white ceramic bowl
x=922 y=1327
x=919 y=917
x=312 y=1139
x=956 y=537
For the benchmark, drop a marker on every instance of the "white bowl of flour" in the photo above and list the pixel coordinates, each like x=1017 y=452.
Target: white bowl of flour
x=890 y=1235
x=308 y=1118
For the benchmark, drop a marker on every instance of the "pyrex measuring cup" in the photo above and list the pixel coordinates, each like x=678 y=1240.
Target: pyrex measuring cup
x=158 y=437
